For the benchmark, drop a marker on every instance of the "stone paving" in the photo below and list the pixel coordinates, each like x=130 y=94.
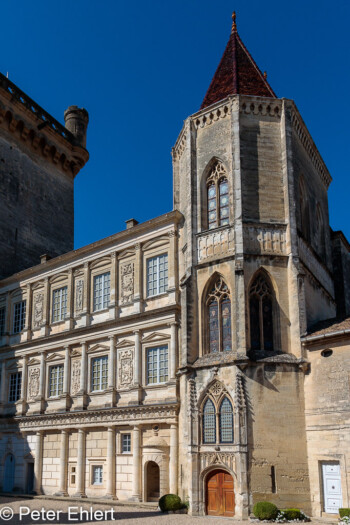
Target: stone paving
x=56 y=512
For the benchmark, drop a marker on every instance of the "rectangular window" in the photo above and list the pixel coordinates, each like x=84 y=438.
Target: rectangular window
x=97 y=475
x=126 y=443
x=56 y=380
x=15 y=387
x=157 y=275
x=99 y=371
x=19 y=316
x=101 y=291
x=2 y=320
x=59 y=304
x=157 y=365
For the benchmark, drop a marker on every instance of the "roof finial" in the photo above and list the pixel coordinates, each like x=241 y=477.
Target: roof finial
x=234 y=27
x=265 y=75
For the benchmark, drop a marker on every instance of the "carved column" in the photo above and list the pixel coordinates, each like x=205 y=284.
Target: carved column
x=173 y=462
x=38 y=464
x=172 y=261
x=66 y=371
x=173 y=349
x=138 y=295
x=70 y=298
x=111 y=363
x=3 y=398
x=24 y=384
x=113 y=286
x=42 y=376
x=110 y=489
x=83 y=373
x=29 y=308
x=136 y=468
x=138 y=359
x=80 y=493
x=86 y=298
x=46 y=308
x=63 y=464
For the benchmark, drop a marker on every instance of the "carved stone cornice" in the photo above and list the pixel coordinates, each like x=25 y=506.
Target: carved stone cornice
x=97 y=418
x=38 y=130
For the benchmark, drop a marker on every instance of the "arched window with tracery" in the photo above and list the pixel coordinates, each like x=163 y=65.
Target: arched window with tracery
x=219 y=317
x=217 y=416
x=261 y=314
x=217 y=197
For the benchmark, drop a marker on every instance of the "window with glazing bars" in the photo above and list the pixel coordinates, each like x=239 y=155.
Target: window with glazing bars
x=19 y=316
x=56 y=380
x=97 y=475
x=157 y=365
x=209 y=422
x=226 y=422
x=2 y=320
x=126 y=443
x=157 y=275
x=101 y=291
x=59 y=304
x=15 y=387
x=99 y=371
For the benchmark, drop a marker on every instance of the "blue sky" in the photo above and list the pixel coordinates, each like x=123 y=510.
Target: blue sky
x=140 y=68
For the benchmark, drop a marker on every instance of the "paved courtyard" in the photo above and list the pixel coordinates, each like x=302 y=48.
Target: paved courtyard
x=56 y=511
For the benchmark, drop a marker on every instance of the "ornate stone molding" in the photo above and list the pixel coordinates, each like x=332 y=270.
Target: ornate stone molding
x=136 y=414
x=180 y=146
x=217 y=458
x=213 y=244
x=75 y=382
x=126 y=368
x=211 y=116
x=261 y=239
x=127 y=282
x=270 y=108
x=38 y=305
x=310 y=147
x=33 y=383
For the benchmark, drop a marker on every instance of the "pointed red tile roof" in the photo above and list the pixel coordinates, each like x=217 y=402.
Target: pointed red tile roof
x=237 y=73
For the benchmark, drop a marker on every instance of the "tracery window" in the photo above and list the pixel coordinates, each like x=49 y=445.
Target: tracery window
x=219 y=317
x=261 y=315
x=218 y=197
x=217 y=416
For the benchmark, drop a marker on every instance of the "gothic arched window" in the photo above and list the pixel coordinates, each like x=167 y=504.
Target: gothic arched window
x=261 y=314
x=304 y=211
x=209 y=422
x=226 y=421
x=218 y=197
x=219 y=317
x=217 y=416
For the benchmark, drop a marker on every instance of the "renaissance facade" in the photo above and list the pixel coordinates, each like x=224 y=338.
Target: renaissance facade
x=203 y=352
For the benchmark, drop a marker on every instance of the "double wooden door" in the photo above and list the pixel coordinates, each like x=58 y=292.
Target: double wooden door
x=220 y=496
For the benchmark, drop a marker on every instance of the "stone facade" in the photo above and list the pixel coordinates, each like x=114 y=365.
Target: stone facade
x=152 y=421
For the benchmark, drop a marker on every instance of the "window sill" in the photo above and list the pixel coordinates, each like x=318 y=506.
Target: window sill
x=157 y=296
x=157 y=385
x=105 y=309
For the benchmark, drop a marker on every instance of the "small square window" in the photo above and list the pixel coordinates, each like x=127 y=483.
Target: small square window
x=97 y=475
x=126 y=443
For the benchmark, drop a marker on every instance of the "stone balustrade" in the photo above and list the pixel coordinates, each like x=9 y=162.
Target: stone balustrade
x=215 y=244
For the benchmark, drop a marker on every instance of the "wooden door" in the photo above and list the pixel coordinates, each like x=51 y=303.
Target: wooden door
x=220 y=496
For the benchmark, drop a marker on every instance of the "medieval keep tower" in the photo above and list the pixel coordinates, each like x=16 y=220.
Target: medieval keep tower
x=39 y=160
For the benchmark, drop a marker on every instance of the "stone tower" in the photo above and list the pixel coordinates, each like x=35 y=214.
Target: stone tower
x=255 y=272
x=39 y=159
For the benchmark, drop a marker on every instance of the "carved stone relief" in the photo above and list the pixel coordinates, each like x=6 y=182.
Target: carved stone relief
x=126 y=371
x=127 y=282
x=217 y=458
x=33 y=383
x=38 y=308
x=79 y=294
x=75 y=383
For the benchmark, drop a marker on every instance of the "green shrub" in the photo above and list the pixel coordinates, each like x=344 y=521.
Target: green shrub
x=293 y=514
x=264 y=510
x=344 y=512
x=170 y=502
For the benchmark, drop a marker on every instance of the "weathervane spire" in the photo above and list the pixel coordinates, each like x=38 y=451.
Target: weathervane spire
x=234 y=26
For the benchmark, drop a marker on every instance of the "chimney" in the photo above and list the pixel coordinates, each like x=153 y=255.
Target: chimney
x=76 y=121
x=131 y=223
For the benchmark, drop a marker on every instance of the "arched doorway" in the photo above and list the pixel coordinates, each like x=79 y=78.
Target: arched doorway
x=220 y=496
x=9 y=473
x=153 y=481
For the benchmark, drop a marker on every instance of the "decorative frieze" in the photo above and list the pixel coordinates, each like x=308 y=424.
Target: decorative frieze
x=211 y=116
x=126 y=369
x=215 y=244
x=127 y=282
x=33 y=383
x=217 y=458
x=265 y=239
x=98 y=418
x=309 y=259
x=180 y=146
x=260 y=107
